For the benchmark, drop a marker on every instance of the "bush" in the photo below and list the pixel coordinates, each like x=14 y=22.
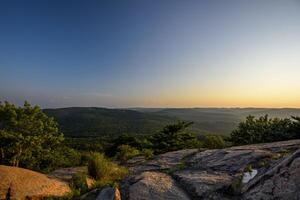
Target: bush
x=214 y=142
x=174 y=137
x=105 y=171
x=235 y=187
x=126 y=152
x=78 y=182
x=265 y=129
x=98 y=166
x=148 y=153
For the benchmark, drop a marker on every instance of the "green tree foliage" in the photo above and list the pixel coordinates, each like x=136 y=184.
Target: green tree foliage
x=265 y=129
x=31 y=139
x=126 y=152
x=295 y=128
x=214 y=142
x=136 y=141
x=174 y=137
x=26 y=133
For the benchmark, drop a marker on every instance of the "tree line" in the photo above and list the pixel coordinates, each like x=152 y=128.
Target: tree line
x=31 y=139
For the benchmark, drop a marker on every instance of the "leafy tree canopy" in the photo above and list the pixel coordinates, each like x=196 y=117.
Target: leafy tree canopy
x=265 y=129
x=174 y=137
x=26 y=134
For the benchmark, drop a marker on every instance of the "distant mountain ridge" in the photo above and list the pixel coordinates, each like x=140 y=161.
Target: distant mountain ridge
x=94 y=121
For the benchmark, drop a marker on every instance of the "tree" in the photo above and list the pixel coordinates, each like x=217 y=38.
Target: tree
x=126 y=152
x=295 y=128
x=174 y=137
x=262 y=129
x=214 y=142
x=26 y=133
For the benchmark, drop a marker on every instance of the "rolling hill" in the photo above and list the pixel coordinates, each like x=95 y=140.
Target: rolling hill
x=92 y=121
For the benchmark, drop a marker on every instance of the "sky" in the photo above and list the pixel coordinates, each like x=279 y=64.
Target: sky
x=150 y=53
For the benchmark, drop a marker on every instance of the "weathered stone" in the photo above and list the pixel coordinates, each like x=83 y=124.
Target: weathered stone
x=138 y=160
x=91 y=195
x=280 y=182
x=155 y=185
x=163 y=161
x=217 y=174
x=229 y=160
x=66 y=174
x=109 y=193
x=19 y=183
x=203 y=185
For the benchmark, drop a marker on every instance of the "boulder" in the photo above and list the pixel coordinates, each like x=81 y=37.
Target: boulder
x=155 y=185
x=202 y=184
x=109 y=193
x=218 y=174
x=163 y=161
x=282 y=181
x=229 y=160
x=19 y=183
x=66 y=174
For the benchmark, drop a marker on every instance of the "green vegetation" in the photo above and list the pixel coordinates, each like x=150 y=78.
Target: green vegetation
x=99 y=122
x=91 y=122
x=31 y=139
x=78 y=183
x=265 y=129
x=235 y=187
x=105 y=171
x=125 y=152
x=214 y=142
x=174 y=137
x=248 y=168
x=148 y=153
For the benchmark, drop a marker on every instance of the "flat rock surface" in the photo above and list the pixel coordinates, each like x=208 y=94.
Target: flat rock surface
x=217 y=174
x=229 y=160
x=66 y=174
x=282 y=181
x=163 y=161
x=155 y=185
x=203 y=184
x=19 y=183
x=109 y=193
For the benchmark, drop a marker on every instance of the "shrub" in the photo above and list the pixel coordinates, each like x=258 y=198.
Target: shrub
x=78 y=182
x=148 y=153
x=235 y=187
x=126 y=152
x=214 y=142
x=174 y=137
x=105 y=171
x=264 y=129
x=97 y=166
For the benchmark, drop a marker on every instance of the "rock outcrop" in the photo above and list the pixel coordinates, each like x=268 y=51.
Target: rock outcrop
x=217 y=174
x=282 y=181
x=66 y=174
x=18 y=183
x=155 y=185
x=109 y=193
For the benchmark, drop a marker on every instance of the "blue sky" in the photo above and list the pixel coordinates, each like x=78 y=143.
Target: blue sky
x=150 y=53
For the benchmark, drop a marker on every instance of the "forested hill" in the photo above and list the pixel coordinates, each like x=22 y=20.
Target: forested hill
x=90 y=121
x=220 y=120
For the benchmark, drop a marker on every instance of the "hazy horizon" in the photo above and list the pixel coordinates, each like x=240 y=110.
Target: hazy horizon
x=151 y=54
